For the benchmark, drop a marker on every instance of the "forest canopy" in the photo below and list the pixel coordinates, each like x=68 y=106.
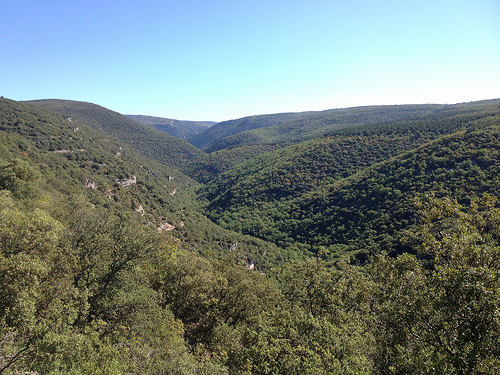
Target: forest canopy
x=371 y=250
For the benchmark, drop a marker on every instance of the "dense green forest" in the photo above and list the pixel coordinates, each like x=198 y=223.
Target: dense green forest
x=209 y=166
x=296 y=127
x=242 y=145
x=152 y=143
x=351 y=189
x=227 y=128
x=373 y=249
x=77 y=160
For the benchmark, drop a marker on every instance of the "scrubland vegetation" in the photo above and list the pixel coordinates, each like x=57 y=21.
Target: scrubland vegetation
x=373 y=248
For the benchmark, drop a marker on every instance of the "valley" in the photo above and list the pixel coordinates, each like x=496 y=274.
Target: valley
x=346 y=241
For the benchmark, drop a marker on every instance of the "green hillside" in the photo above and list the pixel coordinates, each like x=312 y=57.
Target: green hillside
x=336 y=191
x=309 y=125
x=150 y=142
x=108 y=266
x=176 y=128
x=209 y=166
x=239 y=147
x=296 y=127
x=76 y=160
x=225 y=129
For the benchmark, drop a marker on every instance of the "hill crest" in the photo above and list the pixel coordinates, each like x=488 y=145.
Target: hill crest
x=153 y=143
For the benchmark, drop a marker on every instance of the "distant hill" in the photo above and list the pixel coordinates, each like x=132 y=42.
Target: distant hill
x=234 y=149
x=318 y=123
x=296 y=127
x=355 y=185
x=227 y=128
x=176 y=128
x=148 y=141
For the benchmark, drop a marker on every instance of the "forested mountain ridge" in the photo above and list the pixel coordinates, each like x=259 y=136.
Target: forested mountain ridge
x=75 y=160
x=304 y=196
x=297 y=127
x=227 y=128
x=245 y=145
x=176 y=128
x=407 y=134
x=152 y=143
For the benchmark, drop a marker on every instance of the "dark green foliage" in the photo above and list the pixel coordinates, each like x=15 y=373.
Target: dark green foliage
x=208 y=167
x=324 y=325
x=211 y=298
x=437 y=310
x=314 y=124
x=76 y=298
x=345 y=192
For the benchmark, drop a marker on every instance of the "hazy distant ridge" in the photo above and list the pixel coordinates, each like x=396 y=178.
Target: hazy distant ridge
x=176 y=128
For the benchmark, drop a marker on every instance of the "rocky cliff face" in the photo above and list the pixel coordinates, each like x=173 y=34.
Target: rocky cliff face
x=126 y=182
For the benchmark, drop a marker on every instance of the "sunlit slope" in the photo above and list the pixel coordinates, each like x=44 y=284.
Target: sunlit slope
x=79 y=165
x=225 y=129
x=309 y=125
x=85 y=160
x=351 y=188
x=148 y=141
x=243 y=146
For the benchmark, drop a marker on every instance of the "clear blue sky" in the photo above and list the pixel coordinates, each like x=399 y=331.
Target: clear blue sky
x=224 y=59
